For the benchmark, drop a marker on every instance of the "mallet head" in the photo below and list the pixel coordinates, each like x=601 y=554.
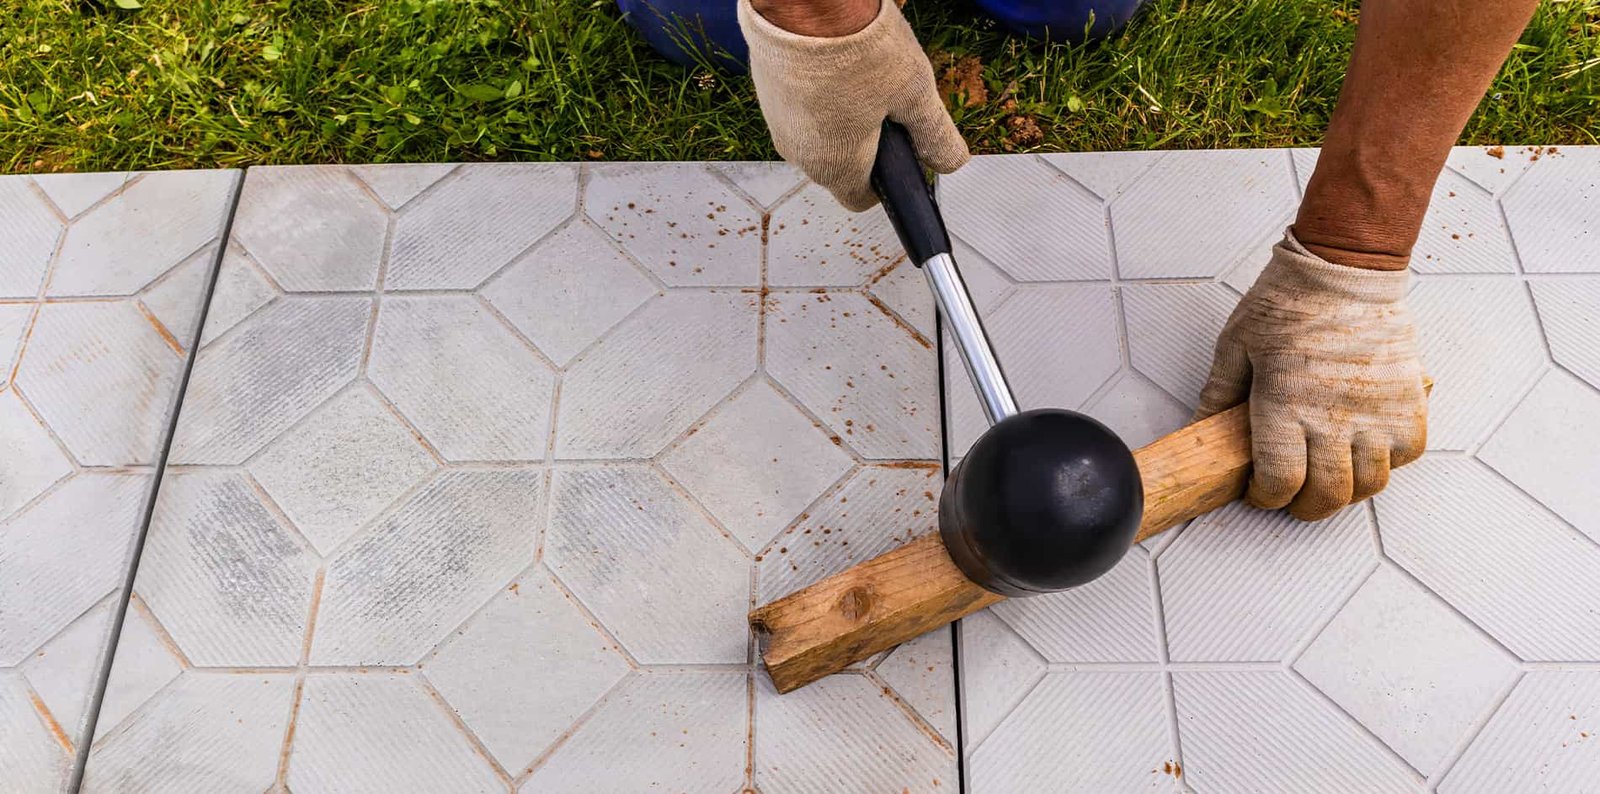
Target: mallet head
x=1045 y=500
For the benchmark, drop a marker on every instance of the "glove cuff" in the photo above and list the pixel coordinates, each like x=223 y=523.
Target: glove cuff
x=1295 y=267
x=822 y=55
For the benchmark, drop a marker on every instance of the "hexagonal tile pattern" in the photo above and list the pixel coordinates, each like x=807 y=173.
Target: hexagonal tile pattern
x=398 y=183
x=1552 y=212
x=680 y=221
x=28 y=750
x=1570 y=314
x=59 y=669
x=1107 y=620
x=32 y=460
x=1463 y=231
x=765 y=182
x=1550 y=447
x=1546 y=735
x=817 y=243
x=1172 y=333
x=171 y=298
x=27 y=238
x=241 y=289
x=155 y=223
x=920 y=672
x=1029 y=219
x=1493 y=168
x=74 y=193
x=145 y=663
x=14 y=321
x=1106 y=174
x=998 y=670
x=1409 y=668
x=312 y=228
x=470 y=226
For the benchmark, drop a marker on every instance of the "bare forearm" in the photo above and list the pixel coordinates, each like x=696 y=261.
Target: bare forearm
x=825 y=18
x=1419 y=69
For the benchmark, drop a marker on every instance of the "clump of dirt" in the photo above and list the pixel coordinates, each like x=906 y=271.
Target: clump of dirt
x=960 y=79
x=1497 y=152
x=1022 y=132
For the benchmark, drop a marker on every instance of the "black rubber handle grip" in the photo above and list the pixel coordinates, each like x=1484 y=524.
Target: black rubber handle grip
x=907 y=197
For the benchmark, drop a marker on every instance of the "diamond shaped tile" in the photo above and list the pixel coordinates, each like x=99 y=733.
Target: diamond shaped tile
x=757 y=463
x=679 y=220
x=568 y=291
x=127 y=242
x=1493 y=167
x=904 y=290
x=64 y=554
x=399 y=183
x=63 y=671
x=1106 y=174
x=311 y=227
x=1463 y=231
x=102 y=377
x=657 y=574
x=879 y=508
x=28 y=750
x=998 y=669
x=381 y=732
x=32 y=460
x=678 y=731
x=921 y=674
x=144 y=665
x=1247 y=585
x=1570 y=314
x=340 y=466
x=1030 y=220
x=814 y=242
x=1244 y=275
x=651 y=378
x=474 y=224
x=272 y=370
x=1546 y=735
x=1172 y=332
x=869 y=380
x=14 y=320
x=27 y=238
x=1480 y=342
x=74 y=193
x=1407 y=667
x=231 y=584
x=1502 y=560
x=1254 y=731
x=766 y=182
x=1138 y=410
x=522 y=671
x=1553 y=213
x=240 y=290
x=1080 y=731
x=177 y=298
x=206 y=732
x=473 y=389
x=843 y=733
x=1199 y=214
x=396 y=590
x=1107 y=620
x=1550 y=447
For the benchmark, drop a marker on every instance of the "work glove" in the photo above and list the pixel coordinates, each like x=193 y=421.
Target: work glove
x=825 y=98
x=1327 y=356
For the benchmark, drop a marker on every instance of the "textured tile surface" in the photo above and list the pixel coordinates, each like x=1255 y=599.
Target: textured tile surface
x=487 y=512
x=102 y=280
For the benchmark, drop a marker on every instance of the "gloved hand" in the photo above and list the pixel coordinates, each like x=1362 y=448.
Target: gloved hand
x=825 y=98
x=1327 y=356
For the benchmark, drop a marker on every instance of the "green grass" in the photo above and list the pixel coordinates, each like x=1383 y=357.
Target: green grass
x=184 y=83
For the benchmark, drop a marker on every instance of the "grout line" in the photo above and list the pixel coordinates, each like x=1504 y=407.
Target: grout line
x=103 y=675
x=1479 y=723
x=962 y=783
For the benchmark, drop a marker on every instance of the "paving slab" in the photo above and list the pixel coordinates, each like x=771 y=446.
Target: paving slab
x=481 y=467
x=1442 y=637
x=102 y=282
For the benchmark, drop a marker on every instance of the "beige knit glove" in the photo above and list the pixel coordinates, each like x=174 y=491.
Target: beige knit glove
x=1327 y=356
x=825 y=98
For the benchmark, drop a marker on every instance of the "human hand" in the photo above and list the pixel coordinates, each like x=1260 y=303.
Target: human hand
x=1327 y=356
x=825 y=98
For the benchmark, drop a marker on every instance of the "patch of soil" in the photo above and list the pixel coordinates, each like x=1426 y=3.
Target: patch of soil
x=1022 y=132
x=960 y=79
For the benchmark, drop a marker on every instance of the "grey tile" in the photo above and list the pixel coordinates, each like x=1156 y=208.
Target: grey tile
x=1480 y=342
x=156 y=222
x=1028 y=219
x=312 y=228
x=679 y=221
x=765 y=182
x=1569 y=312
x=27 y=238
x=1550 y=447
x=74 y=193
x=814 y=242
x=1546 y=733
x=399 y=183
x=1554 y=213
x=1108 y=620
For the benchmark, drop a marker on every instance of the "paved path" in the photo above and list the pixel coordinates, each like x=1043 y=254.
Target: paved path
x=479 y=468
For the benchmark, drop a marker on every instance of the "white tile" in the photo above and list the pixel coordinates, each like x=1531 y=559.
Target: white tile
x=766 y=182
x=129 y=241
x=1463 y=231
x=1198 y=214
x=335 y=471
x=920 y=672
x=1479 y=341
x=1032 y=221
x=143 y=666
x=1138 y=410
x=756 y=463
x=568 y=291
x=241 y=289
x=670 y=587
x=178 y=298
x=666 y=731
x=14 y=321
x=679 y=220
x=1080 y=731
x=1545 y=737
x=904 y=289
x=1172 y=332
x=814 y=242
x=474 y=224
x=311 y=227
x=63 y=671
x=274 y=368
x=229 y=582
x=997 y=670
x=27 y=238
x=28 y=751
x=396 y=590
x=1106 y=174
x=1107 y=620
x=32 y=460
x=522 y=671
x=74 y=193
x=1260 y=731
x=380 y=733
x=843 y=734
x=473 y=389
x=651 y=378
x=1506 y=564
x=869 y=380
x=399 y=183
x=1248 y=585
x=1493 y=167
x=1408 y=668
x=206 y=732
x=1570 y=314
x=1554 y=213
x=1305 y=164
x=1550 y=447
